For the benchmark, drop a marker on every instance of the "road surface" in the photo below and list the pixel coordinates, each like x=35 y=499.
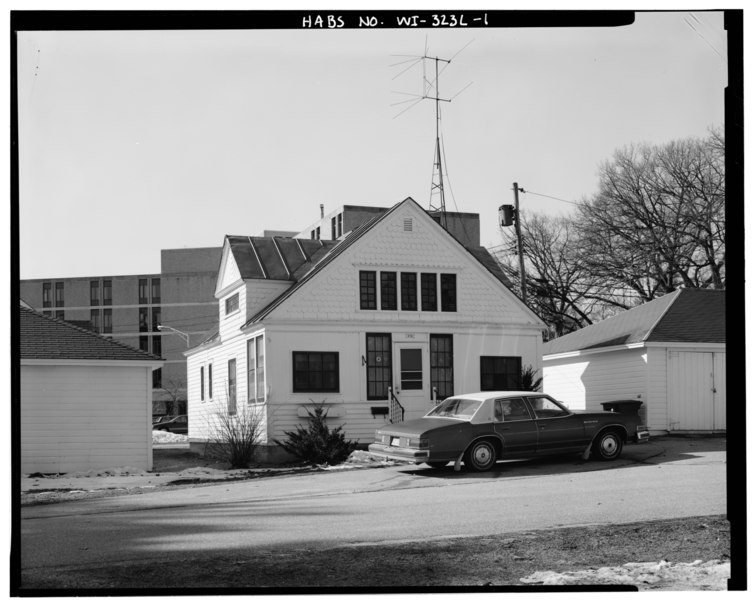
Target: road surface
x=373 y=506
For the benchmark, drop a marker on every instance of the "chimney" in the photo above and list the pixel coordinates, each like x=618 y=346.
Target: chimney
x=322 y=211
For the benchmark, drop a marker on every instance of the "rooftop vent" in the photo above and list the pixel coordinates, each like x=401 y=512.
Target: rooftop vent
x=408 y=224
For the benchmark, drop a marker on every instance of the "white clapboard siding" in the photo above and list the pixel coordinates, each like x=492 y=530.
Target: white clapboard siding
x=79 y=418
x=586 y=382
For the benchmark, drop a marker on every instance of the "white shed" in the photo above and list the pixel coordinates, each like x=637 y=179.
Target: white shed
x=85 y=400
x=669 y=353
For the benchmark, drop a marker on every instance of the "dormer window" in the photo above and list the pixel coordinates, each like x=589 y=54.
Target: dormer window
x=232 y=304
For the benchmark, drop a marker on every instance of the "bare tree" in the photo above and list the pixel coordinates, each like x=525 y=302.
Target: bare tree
x=656 y=224
x=657 y=221
x=560 y=288
x=177 y=394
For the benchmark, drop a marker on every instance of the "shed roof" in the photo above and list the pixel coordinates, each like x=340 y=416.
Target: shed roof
x=688 y=315
x=48 y=338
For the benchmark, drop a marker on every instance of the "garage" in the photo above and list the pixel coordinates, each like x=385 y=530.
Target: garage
x=669 y=353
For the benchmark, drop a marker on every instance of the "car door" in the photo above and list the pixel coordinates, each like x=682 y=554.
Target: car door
x=515 y=425
x=558 y=430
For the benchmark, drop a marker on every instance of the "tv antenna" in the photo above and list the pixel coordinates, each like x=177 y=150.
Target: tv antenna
x=431 y=91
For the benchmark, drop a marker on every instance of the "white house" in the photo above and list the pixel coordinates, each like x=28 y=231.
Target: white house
x=669 y=353
x=85 y=400
x=378 y=324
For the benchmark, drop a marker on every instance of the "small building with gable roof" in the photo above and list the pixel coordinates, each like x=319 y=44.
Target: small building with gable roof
x=669 y=353
x=378 y=323
x=85 y=401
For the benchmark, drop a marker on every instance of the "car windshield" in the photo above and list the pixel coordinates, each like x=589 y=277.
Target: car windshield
x=458 y=408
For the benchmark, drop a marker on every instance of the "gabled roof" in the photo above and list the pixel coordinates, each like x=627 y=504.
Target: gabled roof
x=689 y=315
x=481 y=254
x=277 y=258
x=48 y=338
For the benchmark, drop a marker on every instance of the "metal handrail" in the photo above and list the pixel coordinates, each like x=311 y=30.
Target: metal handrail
x=395 y=406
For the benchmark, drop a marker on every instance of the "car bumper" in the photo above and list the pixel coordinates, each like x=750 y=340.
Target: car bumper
x=643 y=435
x=395 y=453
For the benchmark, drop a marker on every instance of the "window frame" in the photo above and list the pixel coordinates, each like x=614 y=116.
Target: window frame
x=232 y=405
x=368 y=293
x=429 y=292
x=492 y=385
x=448 y=295
x=94 y=293
x=388 y=290
x=409 y=291
x=308 y=388
x=253 y=379
x=435 y=353
x=372 y=366
x=232 y=304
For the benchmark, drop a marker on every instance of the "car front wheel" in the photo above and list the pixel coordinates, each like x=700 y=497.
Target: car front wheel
x=480 y=456
x=608 y=445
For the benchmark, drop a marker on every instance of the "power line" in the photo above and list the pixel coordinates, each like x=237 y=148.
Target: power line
x=551 y=197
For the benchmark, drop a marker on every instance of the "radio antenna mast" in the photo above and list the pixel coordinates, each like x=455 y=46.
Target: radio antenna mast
x=430 y=91
x=436 y=186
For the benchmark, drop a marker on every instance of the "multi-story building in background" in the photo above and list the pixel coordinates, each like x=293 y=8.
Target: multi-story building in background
x=130 y=308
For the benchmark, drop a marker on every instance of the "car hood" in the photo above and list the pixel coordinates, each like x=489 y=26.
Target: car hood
x=420 y=426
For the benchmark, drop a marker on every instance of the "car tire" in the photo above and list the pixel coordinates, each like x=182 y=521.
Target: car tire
x=608 y=445
x=480 y=456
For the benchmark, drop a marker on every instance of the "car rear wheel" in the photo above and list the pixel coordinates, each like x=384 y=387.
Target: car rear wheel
x=480 y=456
x=608 y=445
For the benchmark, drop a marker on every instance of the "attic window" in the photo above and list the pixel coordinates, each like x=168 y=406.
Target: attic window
x=232 y=304
x=408 y=224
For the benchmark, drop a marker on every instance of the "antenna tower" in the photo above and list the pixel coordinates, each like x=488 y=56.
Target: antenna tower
x=436 y=187
x=430 y=91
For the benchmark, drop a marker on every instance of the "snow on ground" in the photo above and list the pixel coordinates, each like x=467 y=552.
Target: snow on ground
x=697 y=575
x=166 y=437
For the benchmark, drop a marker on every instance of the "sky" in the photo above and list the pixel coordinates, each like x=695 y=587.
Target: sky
x=135 y=141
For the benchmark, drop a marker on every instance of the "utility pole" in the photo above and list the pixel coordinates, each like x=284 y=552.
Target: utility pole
x=518 y=225
x=509 y=215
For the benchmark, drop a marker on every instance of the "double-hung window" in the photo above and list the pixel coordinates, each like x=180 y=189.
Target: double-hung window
x=232 y=304
x=232 y=386
x=256 y=370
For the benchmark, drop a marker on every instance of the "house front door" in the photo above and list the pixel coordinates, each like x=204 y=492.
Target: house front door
x=412 y=378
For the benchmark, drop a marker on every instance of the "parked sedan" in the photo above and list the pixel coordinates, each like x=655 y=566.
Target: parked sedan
x=481 y=428
x=179 y=424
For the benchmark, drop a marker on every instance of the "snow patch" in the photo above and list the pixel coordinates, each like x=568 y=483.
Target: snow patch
x=711 y=575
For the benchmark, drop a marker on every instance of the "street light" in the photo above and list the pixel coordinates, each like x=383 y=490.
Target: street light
x=183 y=334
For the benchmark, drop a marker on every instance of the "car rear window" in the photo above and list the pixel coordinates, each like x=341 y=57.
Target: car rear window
x=457 y=408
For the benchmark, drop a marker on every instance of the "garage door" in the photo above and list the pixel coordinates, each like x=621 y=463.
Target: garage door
x=697 y=391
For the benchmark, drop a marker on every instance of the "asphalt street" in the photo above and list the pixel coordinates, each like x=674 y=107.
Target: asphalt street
x=375 y=506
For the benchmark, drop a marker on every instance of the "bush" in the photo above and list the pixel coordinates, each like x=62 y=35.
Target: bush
x=530 y=381
x=235 y=438
x=318 y=444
